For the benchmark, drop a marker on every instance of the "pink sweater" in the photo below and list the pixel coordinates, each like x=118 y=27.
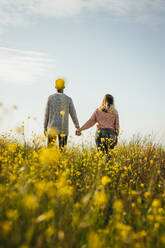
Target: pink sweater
x=103 y=120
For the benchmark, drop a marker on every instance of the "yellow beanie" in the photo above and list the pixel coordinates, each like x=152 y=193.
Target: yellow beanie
x=60 y=84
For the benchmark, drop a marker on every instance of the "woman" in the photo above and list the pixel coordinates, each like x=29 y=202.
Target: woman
x=107 y=121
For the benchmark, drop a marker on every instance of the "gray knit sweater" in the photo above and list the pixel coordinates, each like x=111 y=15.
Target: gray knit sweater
x=57 y=111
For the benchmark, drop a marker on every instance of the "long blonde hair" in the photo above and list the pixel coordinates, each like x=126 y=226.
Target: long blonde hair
x=108 y=104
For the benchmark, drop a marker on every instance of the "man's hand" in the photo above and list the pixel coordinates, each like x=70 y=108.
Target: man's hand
x=78 y=132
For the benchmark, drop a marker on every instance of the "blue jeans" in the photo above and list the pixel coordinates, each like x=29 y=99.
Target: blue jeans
x=105 y=139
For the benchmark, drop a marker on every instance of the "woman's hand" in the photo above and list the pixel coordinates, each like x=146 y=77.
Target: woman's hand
x=78 y=132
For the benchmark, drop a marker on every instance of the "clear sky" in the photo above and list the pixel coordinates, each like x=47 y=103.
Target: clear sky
x=98 y=46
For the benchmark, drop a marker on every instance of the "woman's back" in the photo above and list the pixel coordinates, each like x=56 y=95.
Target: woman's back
x=106 y=119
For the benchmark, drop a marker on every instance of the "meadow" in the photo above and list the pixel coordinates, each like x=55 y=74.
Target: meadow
x=75 y=199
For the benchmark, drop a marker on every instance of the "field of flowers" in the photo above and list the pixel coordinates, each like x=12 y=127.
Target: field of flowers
x=75 y=199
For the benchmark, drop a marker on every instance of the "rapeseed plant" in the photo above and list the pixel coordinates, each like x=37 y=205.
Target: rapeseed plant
x=78 y=198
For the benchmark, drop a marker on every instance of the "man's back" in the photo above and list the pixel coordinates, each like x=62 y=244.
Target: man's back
x=58 y=108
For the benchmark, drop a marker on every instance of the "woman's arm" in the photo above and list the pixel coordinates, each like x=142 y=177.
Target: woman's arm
x=91 y=122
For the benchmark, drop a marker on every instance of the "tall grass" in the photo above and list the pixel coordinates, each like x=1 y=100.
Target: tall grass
x=75 y=198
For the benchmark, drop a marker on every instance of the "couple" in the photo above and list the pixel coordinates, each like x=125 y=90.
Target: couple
x=57 y=111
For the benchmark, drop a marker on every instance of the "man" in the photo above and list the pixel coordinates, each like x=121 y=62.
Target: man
x=57 y=111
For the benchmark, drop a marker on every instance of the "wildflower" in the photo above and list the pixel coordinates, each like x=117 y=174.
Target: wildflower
x=118 y=206
x=63 y=189
x=50 y=231
x=61 y=235
x=6 y=226
x=11 y=147
x=142 y=234
x=100 y=199
x=53 y=132
x=160 y=210
x=62 y=135
x=139 y=200
x=133 y=205
x=30 y=202
x=133 y=192
x=48 y=155
x=156 y=225
x=147 y=194
x=124 y=230
x=150 y=217
x=12 y=214
x=62 y=112
x=94 y=240
x=105 y=180
x=156 y=203
x=102 y=140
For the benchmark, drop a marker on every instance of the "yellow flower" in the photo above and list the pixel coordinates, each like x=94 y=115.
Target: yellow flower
x=105 y=180
x=12 y=214
x=100 y=199
x=156 y=203
x=53 y=132
x=30 y=202
x=62 y=135
x=133 y=205
x=150 y=217
x=61 y=235
x=6 y=226
x=63 y=189
x=147 y=194
x=118 y=205
x=50 y=155
x=94 y=240
x=62 y=112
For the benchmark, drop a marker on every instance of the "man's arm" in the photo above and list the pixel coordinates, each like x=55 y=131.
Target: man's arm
x=73 y=114
x=46 y=116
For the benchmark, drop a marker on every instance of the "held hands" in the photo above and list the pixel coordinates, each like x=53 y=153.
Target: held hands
x=78 y=132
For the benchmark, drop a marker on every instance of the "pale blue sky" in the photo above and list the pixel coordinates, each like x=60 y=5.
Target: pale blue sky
x=99 y=48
